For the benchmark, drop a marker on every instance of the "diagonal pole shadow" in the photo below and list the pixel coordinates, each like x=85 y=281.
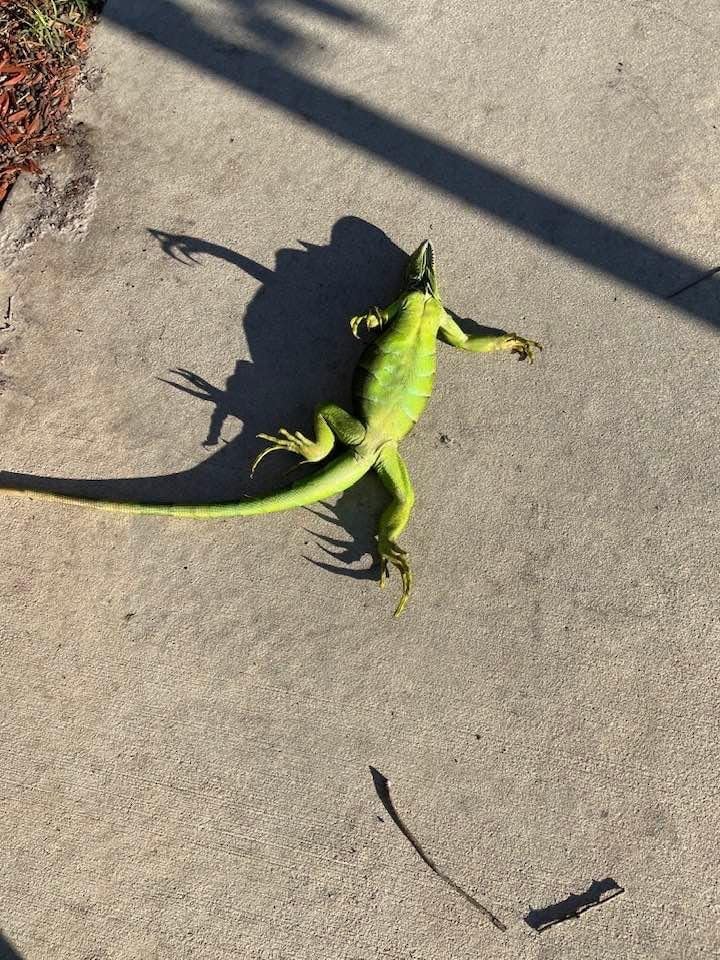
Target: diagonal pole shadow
x=578 y=233
x=8 y=950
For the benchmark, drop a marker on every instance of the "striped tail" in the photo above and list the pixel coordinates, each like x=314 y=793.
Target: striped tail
x=339 y=474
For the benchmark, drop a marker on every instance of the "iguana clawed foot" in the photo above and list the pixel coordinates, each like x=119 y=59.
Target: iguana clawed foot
x=292 y=442
x=524 y=348
x=391 y=553
x=373 y=318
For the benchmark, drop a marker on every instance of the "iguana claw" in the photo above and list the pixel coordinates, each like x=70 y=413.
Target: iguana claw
x=373 y=318
x=391 y=553
x=523 y=347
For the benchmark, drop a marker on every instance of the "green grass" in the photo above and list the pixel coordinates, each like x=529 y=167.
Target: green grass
x=45 y=21
x=44 y=28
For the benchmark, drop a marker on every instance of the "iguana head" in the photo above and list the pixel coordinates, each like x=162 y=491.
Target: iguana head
x=420 y=270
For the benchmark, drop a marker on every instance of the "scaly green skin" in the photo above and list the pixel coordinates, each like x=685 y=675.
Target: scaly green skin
x=392 y=385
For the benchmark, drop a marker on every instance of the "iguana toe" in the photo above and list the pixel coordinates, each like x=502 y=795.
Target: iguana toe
x=291 y=442
x=522 y=346
x=373 y=318
x=391 y=553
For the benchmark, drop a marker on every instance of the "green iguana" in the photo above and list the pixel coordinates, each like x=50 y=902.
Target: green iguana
x=392 y=384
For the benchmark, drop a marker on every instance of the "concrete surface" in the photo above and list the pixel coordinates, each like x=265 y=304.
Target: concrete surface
x=190 y=711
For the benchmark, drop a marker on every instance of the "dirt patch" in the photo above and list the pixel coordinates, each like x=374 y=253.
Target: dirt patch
x=61 y=201
x=65 y=209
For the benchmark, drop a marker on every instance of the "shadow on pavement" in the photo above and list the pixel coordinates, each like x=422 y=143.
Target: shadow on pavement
x=302 y=354
x=7 y=950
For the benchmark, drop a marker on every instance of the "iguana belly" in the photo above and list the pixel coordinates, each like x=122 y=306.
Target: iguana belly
x=393 y=382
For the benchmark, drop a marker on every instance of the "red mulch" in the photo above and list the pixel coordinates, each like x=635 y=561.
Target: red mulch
x=38 y=72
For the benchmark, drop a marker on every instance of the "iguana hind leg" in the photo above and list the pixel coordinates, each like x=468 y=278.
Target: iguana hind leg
x=331 y=422
x=391 y=469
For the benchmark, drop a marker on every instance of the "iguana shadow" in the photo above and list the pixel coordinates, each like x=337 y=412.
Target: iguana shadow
x=301 y=354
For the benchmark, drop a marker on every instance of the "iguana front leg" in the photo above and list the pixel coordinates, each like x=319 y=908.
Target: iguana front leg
x=453 y=334
x=391 y=469
x=331 y=421
x=376 y=317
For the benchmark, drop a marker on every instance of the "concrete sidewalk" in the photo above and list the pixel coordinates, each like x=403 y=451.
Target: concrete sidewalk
x=191 y=710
